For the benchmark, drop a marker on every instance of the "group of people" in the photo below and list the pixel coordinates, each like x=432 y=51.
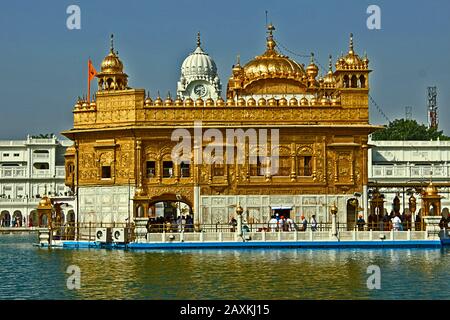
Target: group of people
x=15 y=223
x=282 y=223
x=171 y=224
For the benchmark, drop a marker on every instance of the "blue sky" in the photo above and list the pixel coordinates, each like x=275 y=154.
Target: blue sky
x=43 y=64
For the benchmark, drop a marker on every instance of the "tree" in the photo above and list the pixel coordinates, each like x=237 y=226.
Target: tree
x=402 y=129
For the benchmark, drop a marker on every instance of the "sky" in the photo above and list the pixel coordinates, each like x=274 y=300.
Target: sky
x=43 y=64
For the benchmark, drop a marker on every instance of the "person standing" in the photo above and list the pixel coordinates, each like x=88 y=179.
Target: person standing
x=396 y=223
x=304 y=223
x=290 y=224
x=361 y=222
x=273 y=224
x=313 y=223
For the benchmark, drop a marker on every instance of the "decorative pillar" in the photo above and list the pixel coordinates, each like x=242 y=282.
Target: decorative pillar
x=141 y=229
x=293 y=162
x=412 y=211
x=239 y=212
x=334 y=232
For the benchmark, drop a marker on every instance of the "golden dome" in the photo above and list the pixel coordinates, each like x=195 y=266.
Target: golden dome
x=303 y=101
x=335 y=101
x=85 y=105
x=93 y=105
x=209 y=102
x=189 y=102
x=431 y=190
x=313 y=101
x=168 y=102
x=199 y=102
x=230 y=102
x=283 y=102
x=272 y=64
x=251 y=102
x=312 y=70
x=220 y=102
x=178 y=101
x=158 y=101
x=148 y=101
x=352 y=61
x=262 y=102
x=324 y=101
x=111 y=63
x=77 y=104
x=241 y=102
x=293 y=102
x=272 y=102
x=45 y=203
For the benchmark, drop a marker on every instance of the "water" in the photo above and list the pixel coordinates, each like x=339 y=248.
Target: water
x=28 y=272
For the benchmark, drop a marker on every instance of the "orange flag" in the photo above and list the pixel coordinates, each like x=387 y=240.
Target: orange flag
x=91 y=74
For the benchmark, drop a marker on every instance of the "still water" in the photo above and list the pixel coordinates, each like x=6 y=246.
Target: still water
x=28 y=272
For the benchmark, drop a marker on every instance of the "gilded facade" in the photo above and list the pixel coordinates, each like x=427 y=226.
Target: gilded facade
x=122 y=141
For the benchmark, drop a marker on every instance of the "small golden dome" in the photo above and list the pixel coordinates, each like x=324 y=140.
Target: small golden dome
x=272 y=102
x=220 y=102
x=293 y=102
x=93 y=105
x=431 y=190
x=168 y=102
x=324 y=101
x=148 y=101
x=312 y=70
x=251 y=102
x=283 y=102
x=111 y=63
x=178 y=101
x=241 y=102
x=78 y=104
x=199 y=102
x=45 y=203
x=209 y=102
x=85 y=105
x=313 y=101
x=335 y=101
x=352 y=61
x=189 y=102
x=230 y=102
x=158 y=101
x=304 y=101
x=262 y=102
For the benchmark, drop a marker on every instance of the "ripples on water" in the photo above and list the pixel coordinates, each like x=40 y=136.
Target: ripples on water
x=28 y=272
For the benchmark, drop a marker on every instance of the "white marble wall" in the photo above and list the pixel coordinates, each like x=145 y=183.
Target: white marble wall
x=105 y=203
x=257 y=208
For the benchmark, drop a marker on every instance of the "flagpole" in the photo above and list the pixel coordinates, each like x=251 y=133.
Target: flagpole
x=89 y=81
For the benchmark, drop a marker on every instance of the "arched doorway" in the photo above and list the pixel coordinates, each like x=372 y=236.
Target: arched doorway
x=352 y=213
x=5 y=218
x=33 y=219
x=17 y=219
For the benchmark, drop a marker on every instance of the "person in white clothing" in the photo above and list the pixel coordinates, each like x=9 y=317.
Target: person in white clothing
x=273 y=223
x=396 y=223
x=290 y=224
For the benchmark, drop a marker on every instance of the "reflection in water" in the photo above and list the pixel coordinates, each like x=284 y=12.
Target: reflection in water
x=33 y=273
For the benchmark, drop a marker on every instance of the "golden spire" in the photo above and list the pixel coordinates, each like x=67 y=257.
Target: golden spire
x=330 y=64
x=270 y=42
x=198 y=39
x=351 y=44
x=112 y=43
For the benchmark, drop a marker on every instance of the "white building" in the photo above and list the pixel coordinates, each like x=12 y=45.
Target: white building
x=408 y=163
x=29 y=169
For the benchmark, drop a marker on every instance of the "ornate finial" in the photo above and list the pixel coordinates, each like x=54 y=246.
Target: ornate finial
x=330 y=63
x=238 y=60
x=159 y=96
x=270 y=42
x=168 y=95
x=312 y=57
x=198 y=39
x=112 y=43
x=351 y=43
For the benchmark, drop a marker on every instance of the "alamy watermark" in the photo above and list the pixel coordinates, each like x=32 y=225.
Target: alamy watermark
x=74 y=280
x=373 y=22
x=374 y=280
x=210 y=146
x=73 y=21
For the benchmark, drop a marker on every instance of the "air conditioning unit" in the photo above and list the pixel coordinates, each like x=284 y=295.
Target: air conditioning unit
x=120 y=235
x=103 y=235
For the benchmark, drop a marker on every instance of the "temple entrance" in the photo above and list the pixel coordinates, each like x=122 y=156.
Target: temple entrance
x=352 y=213
x=282 y=212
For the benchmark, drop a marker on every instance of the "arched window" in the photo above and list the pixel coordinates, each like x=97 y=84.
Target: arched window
x=346 y=82
x=362 y=81
x=354 y=82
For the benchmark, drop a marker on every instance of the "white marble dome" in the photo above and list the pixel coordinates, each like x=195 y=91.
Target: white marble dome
x=198 y=66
